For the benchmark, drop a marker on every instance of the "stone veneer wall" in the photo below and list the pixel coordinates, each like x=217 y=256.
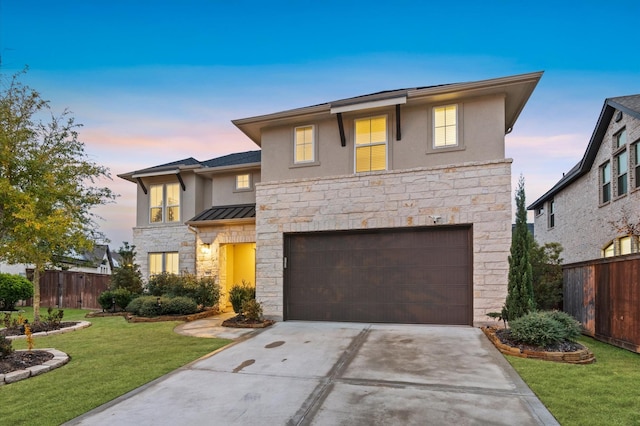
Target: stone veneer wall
x=476 y=193
x=167 y=238
x=208 y=263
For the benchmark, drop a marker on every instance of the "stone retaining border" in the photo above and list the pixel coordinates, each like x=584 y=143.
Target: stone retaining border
x=78 y=326
x=582 y=356
x=59 y=359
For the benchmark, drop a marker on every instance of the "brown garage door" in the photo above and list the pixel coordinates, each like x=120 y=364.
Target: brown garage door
x=413 y=276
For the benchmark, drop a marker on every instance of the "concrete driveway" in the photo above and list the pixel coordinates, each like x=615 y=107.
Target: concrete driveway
x=316 y=373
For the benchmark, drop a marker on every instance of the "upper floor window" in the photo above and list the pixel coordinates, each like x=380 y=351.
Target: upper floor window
x=164 y=203
x=621 y=138
x=622 y=167
x=552 y=213
x=371 y=144
x=303 y=145
x=605 y=181
x=636 y=164
x=609 y=250
x=163 y=262
x=445 y=126
x=243 y=181
x=539 y=211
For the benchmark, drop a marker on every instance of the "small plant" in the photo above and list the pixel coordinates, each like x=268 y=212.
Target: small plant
x=5 y=347
x=238 y=294
x=53 y=318
x=544 y=328
x=252 y=310
x=27 y=332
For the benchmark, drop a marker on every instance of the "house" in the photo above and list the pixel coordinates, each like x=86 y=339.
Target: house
x=388 y=207
x=198 y=217
x=98 y=261
x=592 y=210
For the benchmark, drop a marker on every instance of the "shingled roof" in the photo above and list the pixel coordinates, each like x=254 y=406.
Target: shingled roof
x=628 y=105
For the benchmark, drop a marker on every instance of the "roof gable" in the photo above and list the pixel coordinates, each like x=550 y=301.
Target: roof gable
x=627 y=104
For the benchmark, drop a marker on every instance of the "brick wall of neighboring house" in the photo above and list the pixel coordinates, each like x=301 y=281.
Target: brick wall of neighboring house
x=582 y=225
x=477 y=193
x=168 y=238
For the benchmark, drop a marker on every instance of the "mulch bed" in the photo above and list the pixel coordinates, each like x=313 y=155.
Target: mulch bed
x=567 y=352
x=35 y=328
x=21 y=360
x=239 y=321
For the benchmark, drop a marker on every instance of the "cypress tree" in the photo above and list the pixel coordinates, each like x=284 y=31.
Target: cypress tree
x=520 y=300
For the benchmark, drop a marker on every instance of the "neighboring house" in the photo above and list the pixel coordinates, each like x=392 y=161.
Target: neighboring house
x=388 y=207
x=99 y=261
x=587 y=210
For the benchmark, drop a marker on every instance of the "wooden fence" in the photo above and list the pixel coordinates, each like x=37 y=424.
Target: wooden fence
x=68 y=289
x=604 y=295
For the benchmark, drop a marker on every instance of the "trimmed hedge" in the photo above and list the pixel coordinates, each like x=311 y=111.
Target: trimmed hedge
x=121 y=296
x=147 y=306
x=203 y=290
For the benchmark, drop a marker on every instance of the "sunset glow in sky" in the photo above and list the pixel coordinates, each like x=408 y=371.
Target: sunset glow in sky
x=158 y=81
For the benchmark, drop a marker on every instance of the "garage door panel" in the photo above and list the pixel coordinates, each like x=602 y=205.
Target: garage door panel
x=420 y=275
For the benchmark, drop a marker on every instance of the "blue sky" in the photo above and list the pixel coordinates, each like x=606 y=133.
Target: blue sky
x=157 y=81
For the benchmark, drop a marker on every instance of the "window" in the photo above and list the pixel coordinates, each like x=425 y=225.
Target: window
x=303 y=145
x=622 y=168
x=161 y=210
x=625 y=245
x=552 y=213
x=605 y=180
x=371 y=144
x=621 y=138
x=539 y=211
x=636 y=164
x=608 y=251
x=445 y=126
x=163 y=262
x=243 y=181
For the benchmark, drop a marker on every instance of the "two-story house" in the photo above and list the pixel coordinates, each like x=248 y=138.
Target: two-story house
x=388 y=207
x=592 y=210
x=198 y=217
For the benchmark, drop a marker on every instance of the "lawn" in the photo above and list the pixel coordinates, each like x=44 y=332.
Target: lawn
x=604 y=393
x=108 y=359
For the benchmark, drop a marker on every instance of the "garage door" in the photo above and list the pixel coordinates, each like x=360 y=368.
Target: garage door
x=413 y=276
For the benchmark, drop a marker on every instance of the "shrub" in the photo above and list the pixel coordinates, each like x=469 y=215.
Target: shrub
x=179 y=306
x=53 y=318
x=544 y=328
x=204 y=290
x=14 y=288
x=136 y=304
x=150 y=307
x=121 y=296
x=5 y=347
x=240 y=293
x=252 y=310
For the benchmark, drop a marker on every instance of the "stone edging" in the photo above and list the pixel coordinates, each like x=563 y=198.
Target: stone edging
x=78 y=326
x=187 y=318
x=263 y=324
x=582 y=356
x=59 y=359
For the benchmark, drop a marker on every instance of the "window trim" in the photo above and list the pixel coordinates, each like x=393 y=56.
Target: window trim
x=618 y=136
x=551 y=221
x=385 y=143
x=433 y=127
x=164 y=205
x=634 y=176
x=314 y=145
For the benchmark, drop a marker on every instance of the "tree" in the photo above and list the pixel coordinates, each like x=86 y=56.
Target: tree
x=546 y=265
x=520 y=298
x=127 y=275
x=47 y=184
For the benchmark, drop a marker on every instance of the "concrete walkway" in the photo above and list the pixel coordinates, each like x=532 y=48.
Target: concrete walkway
x=313 y=373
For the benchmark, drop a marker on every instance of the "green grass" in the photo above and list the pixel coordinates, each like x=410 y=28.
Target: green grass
x=108 y=359
x=604 y=393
